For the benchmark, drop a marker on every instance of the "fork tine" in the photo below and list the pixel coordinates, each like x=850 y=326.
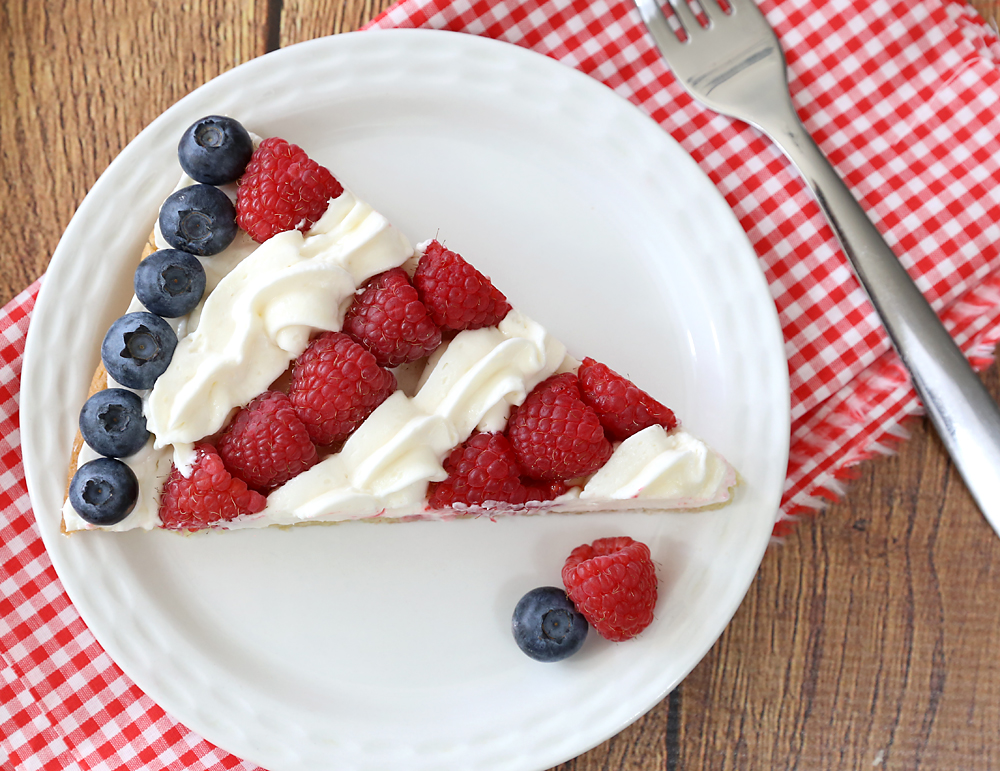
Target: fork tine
x=713 y=10
x=656 y=21
x=686 y=17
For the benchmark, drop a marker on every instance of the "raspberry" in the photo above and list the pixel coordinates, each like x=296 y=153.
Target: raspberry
x=390 y=321
x=210 y=495
x=484 y=469
x=479 y=470
x=624 y=408
x=282 y=189
x=336 y=384
x=612 y=582
x=266 y=444
x=456 y=294
x=542 y=491
x=555 y=435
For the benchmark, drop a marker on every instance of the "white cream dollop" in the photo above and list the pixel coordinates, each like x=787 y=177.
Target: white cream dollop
x=475 y=379
x=673 y=468
x=261 y=315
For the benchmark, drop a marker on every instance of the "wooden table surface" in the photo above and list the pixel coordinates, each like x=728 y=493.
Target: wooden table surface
x=871 y=636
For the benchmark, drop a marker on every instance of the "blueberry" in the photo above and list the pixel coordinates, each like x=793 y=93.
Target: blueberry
x=547 y=626
x=137 y=349
x=104 y=491
x=112 y=423
x=215 y=150
x=199 y=219
x=170 y=282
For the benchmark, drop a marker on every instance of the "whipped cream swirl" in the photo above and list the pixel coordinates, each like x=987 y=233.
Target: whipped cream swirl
x=261 y=315
x=673 y=468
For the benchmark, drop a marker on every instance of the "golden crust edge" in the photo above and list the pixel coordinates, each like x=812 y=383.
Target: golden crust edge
x=730 y=491
x=97 y=383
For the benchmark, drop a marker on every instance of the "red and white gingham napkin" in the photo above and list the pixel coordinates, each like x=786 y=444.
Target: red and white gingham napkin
x=902 y=95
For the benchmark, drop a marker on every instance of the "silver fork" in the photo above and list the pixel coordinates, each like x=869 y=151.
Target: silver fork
x=736 y=67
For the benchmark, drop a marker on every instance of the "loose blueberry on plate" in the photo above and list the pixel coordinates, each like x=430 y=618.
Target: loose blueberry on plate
x=104 y=491
x=137 y=349
x=199 y=219
x=170 y=282
x=547 y=626
x=112 y=423
x=215 y=150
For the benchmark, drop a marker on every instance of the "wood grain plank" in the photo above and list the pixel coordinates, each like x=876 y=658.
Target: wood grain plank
x=988 y=9
x=307 y=19
x=78 y=81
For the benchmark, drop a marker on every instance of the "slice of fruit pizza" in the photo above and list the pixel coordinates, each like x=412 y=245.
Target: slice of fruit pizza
x=289 y=357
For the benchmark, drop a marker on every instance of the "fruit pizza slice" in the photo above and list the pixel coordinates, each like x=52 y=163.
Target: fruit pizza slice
x=290 y=358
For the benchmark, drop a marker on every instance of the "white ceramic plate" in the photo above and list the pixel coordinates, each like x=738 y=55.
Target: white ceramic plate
x=386 y=647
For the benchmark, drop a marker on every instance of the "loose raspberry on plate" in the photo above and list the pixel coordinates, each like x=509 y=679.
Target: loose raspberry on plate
x=624 y=408
x=389 y=320
x=483 y=470
x=335 y=385
x=266 y=444
x=612 y=582
x=209 y=496
x=555 y=435
x=457 y=295
x=282 y=189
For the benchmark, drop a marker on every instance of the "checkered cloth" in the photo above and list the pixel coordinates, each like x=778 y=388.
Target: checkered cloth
x=902 y=95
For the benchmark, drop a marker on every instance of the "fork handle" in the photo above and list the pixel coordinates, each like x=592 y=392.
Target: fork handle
x=964 y=414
